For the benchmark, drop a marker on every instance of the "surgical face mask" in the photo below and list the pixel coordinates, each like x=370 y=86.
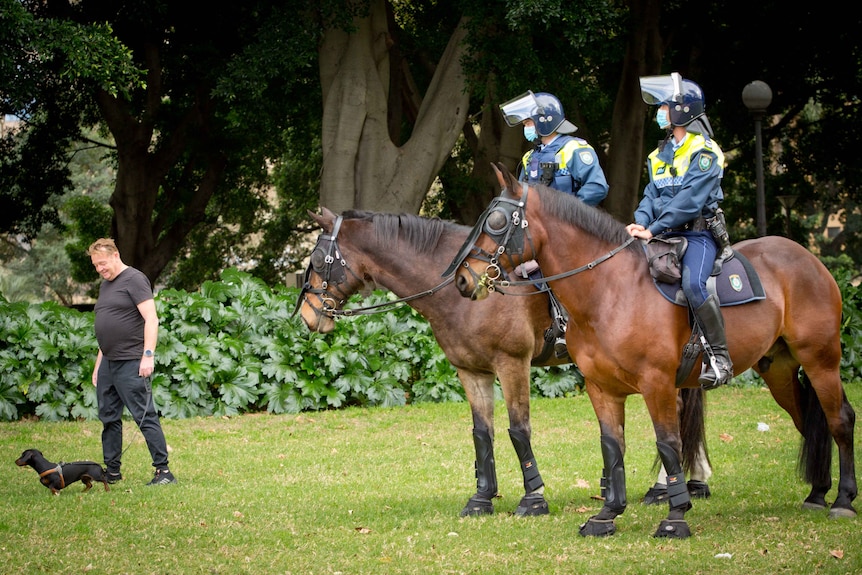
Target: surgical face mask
x=662 y=119
x=530 y=133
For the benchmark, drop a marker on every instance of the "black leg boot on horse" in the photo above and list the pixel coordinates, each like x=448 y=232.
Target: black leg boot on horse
x=717 y=367
x=486 y=476
x=674 y=526
x=533 y=503
x=613 y=491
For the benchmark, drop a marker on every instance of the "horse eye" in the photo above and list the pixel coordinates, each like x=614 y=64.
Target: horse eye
x=496 y=222
x=318 y=260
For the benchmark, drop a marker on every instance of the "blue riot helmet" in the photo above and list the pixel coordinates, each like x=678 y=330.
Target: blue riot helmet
x=544 y=109
x=686 y=105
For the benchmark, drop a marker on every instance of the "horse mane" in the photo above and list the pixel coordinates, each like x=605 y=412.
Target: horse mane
x=420 y=234
x=592 y=220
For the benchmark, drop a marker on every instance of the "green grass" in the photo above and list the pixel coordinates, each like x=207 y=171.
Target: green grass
x=363 y=491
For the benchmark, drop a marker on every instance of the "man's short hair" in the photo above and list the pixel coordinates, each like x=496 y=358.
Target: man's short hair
x=103 y=245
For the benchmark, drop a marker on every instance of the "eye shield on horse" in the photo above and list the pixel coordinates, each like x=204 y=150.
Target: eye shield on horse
x=504 y=222
x=320 y=262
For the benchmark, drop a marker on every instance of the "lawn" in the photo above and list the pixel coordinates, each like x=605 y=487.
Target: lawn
x=359 y=491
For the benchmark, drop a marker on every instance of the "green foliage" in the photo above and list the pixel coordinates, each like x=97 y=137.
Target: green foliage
x=843 y=269
x=235 y=347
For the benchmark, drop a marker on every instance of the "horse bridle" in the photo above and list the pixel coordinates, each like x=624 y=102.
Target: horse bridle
x=322 y=261
x=506 y=223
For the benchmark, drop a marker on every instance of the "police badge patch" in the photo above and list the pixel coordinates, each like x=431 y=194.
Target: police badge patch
x=735 y=282
x=705 y=162
x=586 y=157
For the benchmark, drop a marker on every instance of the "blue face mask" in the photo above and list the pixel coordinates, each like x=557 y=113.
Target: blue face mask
x=530 y=133
x=661 y=119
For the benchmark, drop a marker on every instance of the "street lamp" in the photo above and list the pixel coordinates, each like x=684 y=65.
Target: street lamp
x=757 y=96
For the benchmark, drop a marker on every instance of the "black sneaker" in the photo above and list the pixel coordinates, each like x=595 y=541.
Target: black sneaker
x=113 y=477
x=162 y=477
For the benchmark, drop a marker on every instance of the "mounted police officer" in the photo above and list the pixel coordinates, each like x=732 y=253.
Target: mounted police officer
x=558 y=160
x=681 y=199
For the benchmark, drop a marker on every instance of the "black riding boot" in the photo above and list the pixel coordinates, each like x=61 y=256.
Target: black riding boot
x=558 y=325
x=718 y=369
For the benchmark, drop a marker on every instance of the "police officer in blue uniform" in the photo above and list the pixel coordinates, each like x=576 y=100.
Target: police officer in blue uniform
x=681 y=199
x=557 y=160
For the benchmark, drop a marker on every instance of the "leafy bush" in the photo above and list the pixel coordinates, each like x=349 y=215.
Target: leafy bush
x=235 y=347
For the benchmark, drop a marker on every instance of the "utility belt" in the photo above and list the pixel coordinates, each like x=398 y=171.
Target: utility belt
x=699 y=224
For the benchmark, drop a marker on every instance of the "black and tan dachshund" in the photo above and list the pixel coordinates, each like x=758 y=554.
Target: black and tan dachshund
x=56 y=476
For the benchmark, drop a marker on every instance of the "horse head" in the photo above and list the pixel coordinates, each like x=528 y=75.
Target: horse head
x=498 y=243
x=327 y=277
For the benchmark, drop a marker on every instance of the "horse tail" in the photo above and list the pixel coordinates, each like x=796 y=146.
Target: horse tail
x=815 y=453
x=691 y=426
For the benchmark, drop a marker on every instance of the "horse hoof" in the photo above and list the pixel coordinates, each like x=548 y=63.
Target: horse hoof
x=673 y=529
x=597 y=528
x=813 y=505
x=841 y=512
x=656 y=495
x=478 y=506
x=698 y=489
x=532 y=506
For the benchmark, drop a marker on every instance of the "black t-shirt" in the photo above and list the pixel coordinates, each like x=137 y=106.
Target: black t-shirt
x=119 y=324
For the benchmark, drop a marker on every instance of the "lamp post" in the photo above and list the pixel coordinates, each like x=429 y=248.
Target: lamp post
x=757 y=96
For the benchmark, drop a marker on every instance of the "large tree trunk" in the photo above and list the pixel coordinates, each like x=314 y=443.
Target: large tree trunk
x=626 y=164
x=149 y=237
x=362 y=167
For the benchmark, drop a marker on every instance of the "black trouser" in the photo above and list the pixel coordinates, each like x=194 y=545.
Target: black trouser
x=118 y=386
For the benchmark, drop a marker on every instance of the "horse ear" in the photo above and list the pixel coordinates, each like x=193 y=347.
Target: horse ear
x=505 y=176
x=325 y=219
x=499 y=169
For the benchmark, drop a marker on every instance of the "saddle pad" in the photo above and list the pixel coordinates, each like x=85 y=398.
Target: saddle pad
x=738 y=283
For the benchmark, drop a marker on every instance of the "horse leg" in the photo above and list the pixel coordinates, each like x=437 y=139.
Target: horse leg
x=613 y=491
x=679 y=499
x=690 y=406
x=479 y=389
x=514 y=379
x=533 y=502
x=486 y=476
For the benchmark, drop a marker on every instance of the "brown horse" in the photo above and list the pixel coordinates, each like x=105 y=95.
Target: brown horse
x=626 y=337
x=484 y=341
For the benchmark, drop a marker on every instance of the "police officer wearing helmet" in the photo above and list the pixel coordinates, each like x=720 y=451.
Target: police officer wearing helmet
x=557 y=160
x=681 y=199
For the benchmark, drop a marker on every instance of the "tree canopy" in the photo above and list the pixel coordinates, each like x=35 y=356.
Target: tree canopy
x=371 y=104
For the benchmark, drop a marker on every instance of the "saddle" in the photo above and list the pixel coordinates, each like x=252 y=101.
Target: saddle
x=737 y=284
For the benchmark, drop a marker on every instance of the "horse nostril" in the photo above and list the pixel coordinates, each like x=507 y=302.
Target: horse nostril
x=461 y=283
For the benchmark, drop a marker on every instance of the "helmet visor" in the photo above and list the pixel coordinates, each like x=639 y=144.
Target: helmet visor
x=519 y=109
x=657 y=90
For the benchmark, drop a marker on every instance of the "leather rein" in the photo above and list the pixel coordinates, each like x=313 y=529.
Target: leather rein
x=490 y=278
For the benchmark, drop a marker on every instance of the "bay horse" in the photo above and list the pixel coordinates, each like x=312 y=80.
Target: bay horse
x=483 y=341
x=627 y=338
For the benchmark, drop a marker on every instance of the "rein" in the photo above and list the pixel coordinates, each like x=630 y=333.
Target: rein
x=493 y=271
x=329 y=303
x=545 y=279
